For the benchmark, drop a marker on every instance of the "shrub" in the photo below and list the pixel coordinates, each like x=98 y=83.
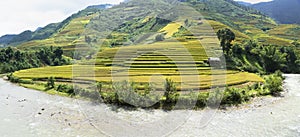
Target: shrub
x=66 y=89
x=13 y=79
x=50 y=83
x=215 y=98
x=278 y=73
x=99 y=86
x=110 y=97
x=233 y=96
x=170 y=91
x=274 y=84
x=202 y=100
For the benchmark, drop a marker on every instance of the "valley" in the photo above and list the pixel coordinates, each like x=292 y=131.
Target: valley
x=138 y=47
x=155 y=68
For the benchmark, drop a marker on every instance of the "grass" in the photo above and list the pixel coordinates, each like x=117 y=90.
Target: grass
x=40 y=87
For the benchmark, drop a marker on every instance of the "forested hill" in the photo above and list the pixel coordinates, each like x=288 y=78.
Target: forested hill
x=283 y=11
x=246 y=22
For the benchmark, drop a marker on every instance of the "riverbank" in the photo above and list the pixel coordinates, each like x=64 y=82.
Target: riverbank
x=168 y=99
x=36 y=113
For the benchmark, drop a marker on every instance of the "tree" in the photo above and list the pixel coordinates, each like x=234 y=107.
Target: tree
x=170 y=90
x=9 y=53
x=291 y=59
x=272 y=59
x=237 y=49
x=17 y=55
x=58 y=53
x=50 y=83
x=226 y=36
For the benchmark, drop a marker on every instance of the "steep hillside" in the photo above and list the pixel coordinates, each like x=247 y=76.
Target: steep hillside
x=4 y=40
x=244 y=3
x=137 y=22
x=49 y=30
x=287 y=31
x=283 y=11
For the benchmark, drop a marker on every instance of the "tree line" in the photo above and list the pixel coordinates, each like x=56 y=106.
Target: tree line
x=12 y=59
x=252 y=57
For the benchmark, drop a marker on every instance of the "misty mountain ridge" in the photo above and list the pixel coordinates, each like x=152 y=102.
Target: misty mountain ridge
x=283 y=11
x=244 y=3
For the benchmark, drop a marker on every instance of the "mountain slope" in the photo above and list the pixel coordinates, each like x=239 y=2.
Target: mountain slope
x=4 y=40
x=137 y=22
x=49 y=30
x=284 y=11
x=140 y=41
x=244 y=3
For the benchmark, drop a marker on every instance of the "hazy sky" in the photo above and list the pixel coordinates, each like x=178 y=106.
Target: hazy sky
x=20 y=15
x=254 y=1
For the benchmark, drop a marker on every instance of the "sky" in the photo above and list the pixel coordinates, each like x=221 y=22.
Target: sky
x=20 y=15
x=254 y=1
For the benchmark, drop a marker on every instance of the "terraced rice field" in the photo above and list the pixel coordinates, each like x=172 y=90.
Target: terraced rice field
x=68 y=37
x=183 y=59
x=183 y=62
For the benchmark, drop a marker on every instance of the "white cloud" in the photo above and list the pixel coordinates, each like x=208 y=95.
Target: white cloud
x=18 y=15
x=254 y=1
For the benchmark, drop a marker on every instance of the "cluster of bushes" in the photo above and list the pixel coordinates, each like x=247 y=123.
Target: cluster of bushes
x=127 y=94
x=268 y=58
x=253 y=57
x=274 y=83
x=14 y=79
x=13 y=59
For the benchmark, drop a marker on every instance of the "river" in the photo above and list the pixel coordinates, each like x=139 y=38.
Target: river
x=26 y=112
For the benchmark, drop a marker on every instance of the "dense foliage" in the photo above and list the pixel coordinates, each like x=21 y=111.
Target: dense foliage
x=13 y=59
x=226 y=36
x=274 y=83
x=253 y=57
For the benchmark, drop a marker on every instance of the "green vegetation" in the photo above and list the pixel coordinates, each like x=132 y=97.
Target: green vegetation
x=50 y=83
x=136 y=58
x=14 y=59
x=252 y=57
x=274 y=83
x=142 y=68
x=226 y=36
